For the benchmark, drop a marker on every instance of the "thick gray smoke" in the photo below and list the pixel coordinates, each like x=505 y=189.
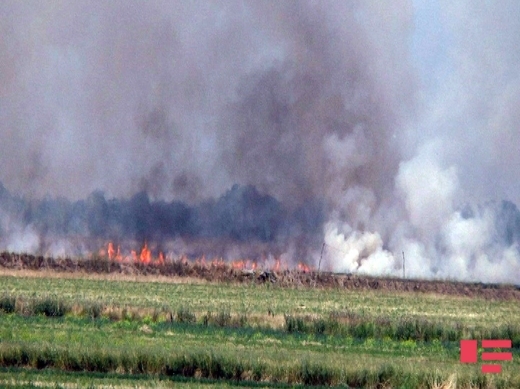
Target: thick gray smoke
x=326 y=112
x=257 y=223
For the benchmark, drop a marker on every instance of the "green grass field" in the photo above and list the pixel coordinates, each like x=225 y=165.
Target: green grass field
x=155 y=334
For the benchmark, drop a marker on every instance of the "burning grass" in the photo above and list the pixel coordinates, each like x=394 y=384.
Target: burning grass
x=163 y=269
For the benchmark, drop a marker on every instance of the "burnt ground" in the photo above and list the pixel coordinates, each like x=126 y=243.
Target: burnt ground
x=285 y=278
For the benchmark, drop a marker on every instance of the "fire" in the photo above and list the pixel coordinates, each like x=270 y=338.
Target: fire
x=303 y=267
x=110 y=250
x=146 y=255
x=143 y=256
x=242 y=264
x=238 y=264
x=114 y=254
x=160 y=261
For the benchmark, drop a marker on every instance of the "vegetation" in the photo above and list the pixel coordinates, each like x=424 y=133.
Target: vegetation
x=92 y=330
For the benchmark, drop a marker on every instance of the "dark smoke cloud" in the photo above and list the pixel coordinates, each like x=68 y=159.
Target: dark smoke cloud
x=317 y=110
x=241 y=215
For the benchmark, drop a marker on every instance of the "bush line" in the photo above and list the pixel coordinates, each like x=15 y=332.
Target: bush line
x=344 y=323
x=215 y=366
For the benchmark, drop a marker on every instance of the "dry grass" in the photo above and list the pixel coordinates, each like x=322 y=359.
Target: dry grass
x=450 y=383
x=45 y=273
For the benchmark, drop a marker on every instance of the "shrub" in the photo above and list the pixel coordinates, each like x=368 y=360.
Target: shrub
x=50 y=307
x=223 y=318
x=320 y=326
x=314 y=374
x=93 y=310
x=242 y=321
x=294 y=324
x=207 y=319
x=155 y=315
x=363 y=330
x=7 y=304
x=184 y=315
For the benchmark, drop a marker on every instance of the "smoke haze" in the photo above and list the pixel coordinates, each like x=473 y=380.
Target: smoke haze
x=360 y=124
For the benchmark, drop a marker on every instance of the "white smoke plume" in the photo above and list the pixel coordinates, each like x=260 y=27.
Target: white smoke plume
x=403 y=125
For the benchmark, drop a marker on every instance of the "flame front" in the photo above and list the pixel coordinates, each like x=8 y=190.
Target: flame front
x=145 y=256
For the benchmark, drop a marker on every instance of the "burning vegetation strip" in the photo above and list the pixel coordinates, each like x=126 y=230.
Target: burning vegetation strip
x=247 y=271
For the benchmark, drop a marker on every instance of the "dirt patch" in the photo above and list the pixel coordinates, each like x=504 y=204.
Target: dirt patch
x=182 y=271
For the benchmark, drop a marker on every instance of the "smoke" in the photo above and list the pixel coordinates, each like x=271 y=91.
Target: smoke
x=241 y=222
x=278 y=124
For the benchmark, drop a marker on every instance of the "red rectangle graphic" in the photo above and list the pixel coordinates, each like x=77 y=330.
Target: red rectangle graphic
x=497 y=356
x=468 y=351
x=502 y=343
x=491 y=368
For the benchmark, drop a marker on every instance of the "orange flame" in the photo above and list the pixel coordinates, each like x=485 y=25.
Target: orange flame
x=110 y=250
x=112 y=254
x=160 y=260
x=146 y=255
x=303 y=267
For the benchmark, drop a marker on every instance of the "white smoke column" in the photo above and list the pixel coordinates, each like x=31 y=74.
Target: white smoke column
x=428 y=191
x=439 y=241
x=353 y=251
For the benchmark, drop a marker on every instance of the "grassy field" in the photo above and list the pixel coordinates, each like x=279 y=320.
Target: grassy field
x=124 y=333
x=24 y=378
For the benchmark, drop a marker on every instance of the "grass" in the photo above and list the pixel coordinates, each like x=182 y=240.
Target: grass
x=250 y=334
x=52 y=378
x=344 y=323
x=259 y=300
